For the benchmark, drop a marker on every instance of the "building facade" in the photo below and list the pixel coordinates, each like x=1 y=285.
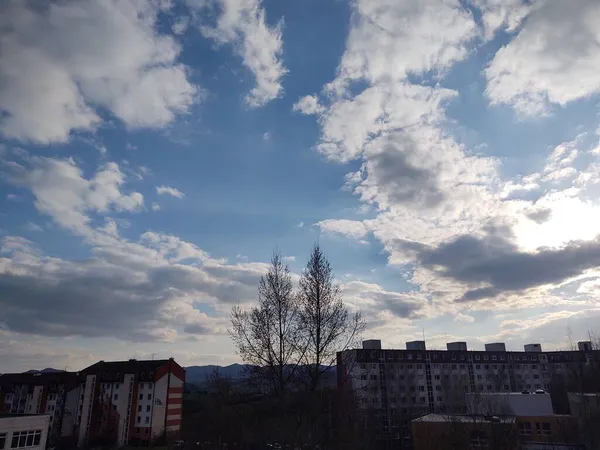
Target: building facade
x=392 y=387
x=23 y=431
x=115 y=403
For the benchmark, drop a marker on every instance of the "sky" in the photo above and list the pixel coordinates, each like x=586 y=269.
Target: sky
x=153 y=154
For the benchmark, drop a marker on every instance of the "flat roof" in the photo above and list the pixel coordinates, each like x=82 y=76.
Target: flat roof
x=447 y=418
x=11 y=415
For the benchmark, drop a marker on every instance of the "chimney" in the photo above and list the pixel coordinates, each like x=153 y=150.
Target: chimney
x=585 y=346
x=371 y=344
x=495 y=347
x=456 y=346
x=535 y=348
x=415 y=345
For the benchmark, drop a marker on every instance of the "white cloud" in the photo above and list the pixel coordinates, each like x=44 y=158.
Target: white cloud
x=60 y=61
x=554 y=59
x=350 y=228
x=460 y=317
x=31 y=226
x=155 y=207
x=243 y=24
x=507 y=14
x=289 y=258
x=267 y=136
x=181 y=25
x=433 y=35
x=309 y=104
x=62 y=192
x=167 y=190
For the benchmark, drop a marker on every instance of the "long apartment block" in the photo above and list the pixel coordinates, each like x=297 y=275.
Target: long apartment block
x=120 y=402
x=397 y=384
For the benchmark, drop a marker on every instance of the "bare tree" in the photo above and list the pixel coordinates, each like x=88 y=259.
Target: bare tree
x=325 y=322
x=267 y=335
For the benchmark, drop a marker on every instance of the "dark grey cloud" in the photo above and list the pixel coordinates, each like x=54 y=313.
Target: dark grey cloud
x=397 y=176
x=496 y=263
x=539 y=215
x=95 y=298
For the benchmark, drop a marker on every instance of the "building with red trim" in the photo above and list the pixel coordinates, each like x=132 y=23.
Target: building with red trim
x=121 y=402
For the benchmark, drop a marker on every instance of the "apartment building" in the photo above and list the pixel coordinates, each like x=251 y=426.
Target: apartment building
x=392 y=386
x=41 y=393
x=23 y=431
x=118 y=403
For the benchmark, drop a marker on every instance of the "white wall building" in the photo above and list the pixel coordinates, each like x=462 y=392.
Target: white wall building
x=23 y=431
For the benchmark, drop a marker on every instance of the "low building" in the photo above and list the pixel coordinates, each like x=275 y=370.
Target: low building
x=447 y=431
x=24 y=431
x=108 y=403
x=509 y=403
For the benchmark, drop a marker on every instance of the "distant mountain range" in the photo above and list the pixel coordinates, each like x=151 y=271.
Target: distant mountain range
x=199 y=374
x=46 y=370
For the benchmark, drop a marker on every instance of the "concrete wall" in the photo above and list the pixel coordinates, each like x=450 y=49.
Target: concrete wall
x=160 y=406
x=509 y=404
x=10 y=425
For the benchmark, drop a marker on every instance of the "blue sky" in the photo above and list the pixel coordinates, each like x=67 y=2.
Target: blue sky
x=153 y=154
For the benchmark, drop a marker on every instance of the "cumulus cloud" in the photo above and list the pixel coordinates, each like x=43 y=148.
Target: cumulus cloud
x=150 y=280
x=63 y=193
x=559 y=43
x=61 y=61
x=493 y=264
x=308 y=105
x=243 y=24
x=167 y=190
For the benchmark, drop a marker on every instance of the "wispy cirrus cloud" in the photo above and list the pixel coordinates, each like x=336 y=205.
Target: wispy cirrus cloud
x=168 y=190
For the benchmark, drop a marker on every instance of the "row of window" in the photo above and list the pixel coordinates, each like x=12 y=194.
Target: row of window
x=459 y=366
x=148 y=408
x=540 y=428
x=22 y=439
x=139 y=420
x=461 y=357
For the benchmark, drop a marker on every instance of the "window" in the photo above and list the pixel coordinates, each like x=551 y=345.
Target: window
x=139 y=419
x=363 y=377
x=477 y=366
x=479 y=377
x=149 y=396
x=489 y=387
x=437 y=377
x=462 y=367
x=438 y=388
x=419 y=366
x=421 y=388
x=137 y=430
x=141 y=396
x=117 y=385
x=139 y=408
x=2 y=439
x=116 y=397
x=536 y=377
x=518 y=366
x=477 y=357
x=486 y=357
x=21 y=439
x=148 y=408
x=453 y=366
x=423 y=400
x=373 y=377
x=486 y=367
x=524 y=428
x=439 y=399
x=363 y=366
x=494 y=357
x=506 y=387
